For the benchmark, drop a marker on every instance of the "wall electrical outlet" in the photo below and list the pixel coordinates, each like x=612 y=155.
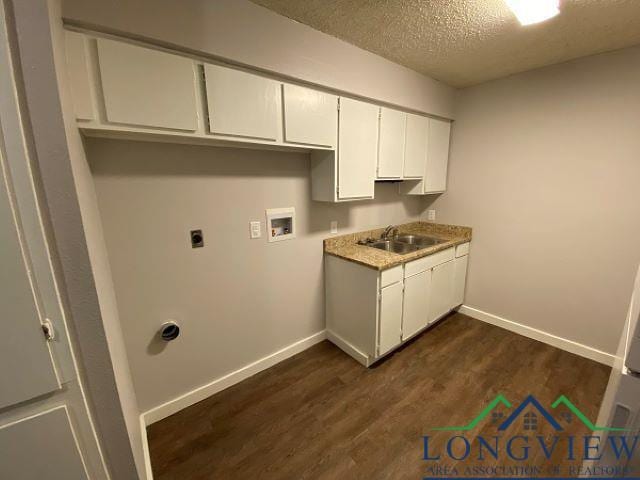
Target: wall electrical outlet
x=334 y=226
x=431 y=215
x=197 y=238
x=255 y=229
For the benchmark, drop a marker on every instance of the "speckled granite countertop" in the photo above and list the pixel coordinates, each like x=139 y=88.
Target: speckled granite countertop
x=345 y=246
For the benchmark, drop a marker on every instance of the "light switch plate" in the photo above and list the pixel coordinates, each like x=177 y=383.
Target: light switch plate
x=334 y=226
x=431 y=215
x=255 y=229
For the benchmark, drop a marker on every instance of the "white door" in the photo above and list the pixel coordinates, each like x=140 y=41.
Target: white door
x=437 y=156
x=310 y=116
x=391 y=143
x=390 y=321
x=241 y=104
x=357 y=149
x=415 y=312
x=415 y=153
x=441 y=290
x=459 y=280
x=26 y=368
x=41 y=447
x=146 y=87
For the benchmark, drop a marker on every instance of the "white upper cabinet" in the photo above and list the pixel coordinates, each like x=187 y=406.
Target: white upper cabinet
x=77 y=60
x=415 y=153
x=241 y=104
x=145 y=87
x=391 y=144
x=436 y=160
x=437 y=156
x=121 y=89
x=357 y=149
x=310 y=116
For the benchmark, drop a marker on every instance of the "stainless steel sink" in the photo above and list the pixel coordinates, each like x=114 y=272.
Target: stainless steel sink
x=393 y=246
x=404 y=243
x=419 y=240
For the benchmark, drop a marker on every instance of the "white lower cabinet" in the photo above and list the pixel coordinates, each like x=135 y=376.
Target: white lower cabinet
x=459 y=279
x=441 y=290
x=417 y=293
x=369 y=313
x=390 y=318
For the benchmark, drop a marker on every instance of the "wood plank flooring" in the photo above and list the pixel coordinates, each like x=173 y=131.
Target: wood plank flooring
x=321 y=415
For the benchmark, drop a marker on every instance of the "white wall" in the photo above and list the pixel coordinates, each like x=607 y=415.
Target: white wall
x=545 y=167
x=237 y=299
x=245 y=33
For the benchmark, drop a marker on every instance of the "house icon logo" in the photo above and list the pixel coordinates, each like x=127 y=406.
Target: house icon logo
x=545 y=436
x=532 y=412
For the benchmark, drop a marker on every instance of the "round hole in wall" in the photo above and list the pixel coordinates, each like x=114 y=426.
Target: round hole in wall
x=169 y=331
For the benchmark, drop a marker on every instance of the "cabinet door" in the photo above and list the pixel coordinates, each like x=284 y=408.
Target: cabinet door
x=357 y=149
x=459 y=280
x=441 y=290
x=146 y=87
x=241 y=104
x=391 y=143
x=415 y=312
x=437 y=156
x=415 y=153
x=41 y=447
x=77 y=61
x=26 y=369
x=310 y=116
x=390 y=318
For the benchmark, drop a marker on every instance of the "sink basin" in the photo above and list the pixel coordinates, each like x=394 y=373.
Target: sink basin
x=404 y=243
x=394 y=246
x=418 y=240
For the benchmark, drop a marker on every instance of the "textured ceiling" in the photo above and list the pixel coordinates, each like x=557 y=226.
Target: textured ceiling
x=465 y=42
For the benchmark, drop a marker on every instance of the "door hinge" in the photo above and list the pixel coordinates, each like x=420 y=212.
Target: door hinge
x=47 y=330
x=338 y=108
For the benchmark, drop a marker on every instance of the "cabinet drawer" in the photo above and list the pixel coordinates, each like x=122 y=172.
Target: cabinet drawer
x=390 y=276
x=462 y=250
x=425 y=263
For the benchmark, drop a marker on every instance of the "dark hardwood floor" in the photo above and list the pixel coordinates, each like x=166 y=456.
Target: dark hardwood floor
x=321 y=415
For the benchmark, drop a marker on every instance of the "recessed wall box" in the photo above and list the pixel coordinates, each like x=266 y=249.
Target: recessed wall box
x=281 y=224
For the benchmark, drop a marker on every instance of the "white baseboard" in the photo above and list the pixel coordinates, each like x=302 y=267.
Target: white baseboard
x=145 y=449
x=204 y=391
x=545 y=337
x=348 y=348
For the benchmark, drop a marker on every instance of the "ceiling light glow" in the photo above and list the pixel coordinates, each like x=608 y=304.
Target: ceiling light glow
x=534 y=11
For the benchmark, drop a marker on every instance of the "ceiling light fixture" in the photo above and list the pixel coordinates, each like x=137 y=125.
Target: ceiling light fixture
x=534 y=11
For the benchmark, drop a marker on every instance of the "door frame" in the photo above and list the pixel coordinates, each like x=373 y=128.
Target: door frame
x=31 y=26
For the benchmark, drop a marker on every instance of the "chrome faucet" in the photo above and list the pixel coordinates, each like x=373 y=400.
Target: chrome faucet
x=387 y=231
